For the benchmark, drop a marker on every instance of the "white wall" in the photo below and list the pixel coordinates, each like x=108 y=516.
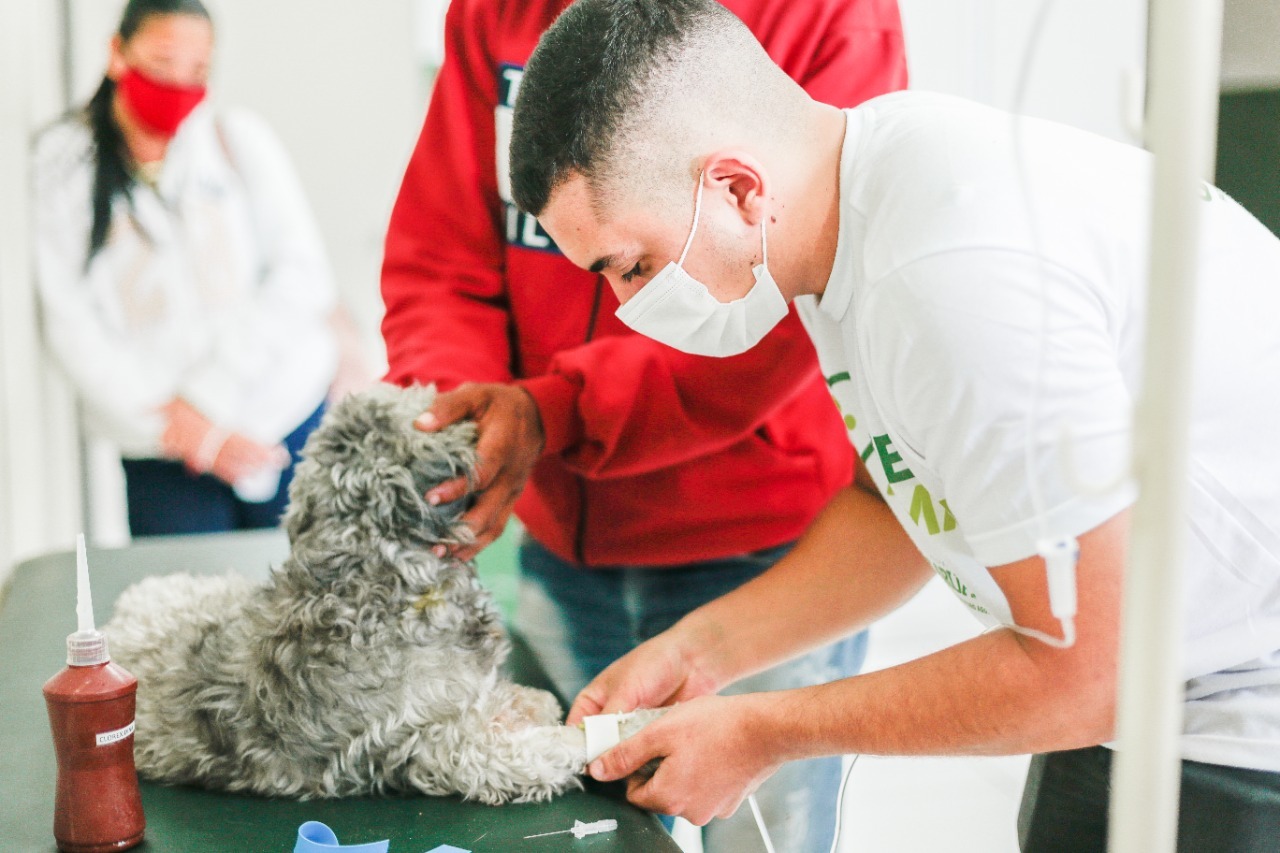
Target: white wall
x=39 y=503
x=1087 y=70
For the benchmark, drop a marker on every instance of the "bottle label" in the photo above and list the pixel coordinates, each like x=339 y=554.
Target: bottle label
x=108 y=738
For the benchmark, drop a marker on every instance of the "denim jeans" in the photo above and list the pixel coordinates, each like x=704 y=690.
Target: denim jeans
x=165 y=498
x=579 y=620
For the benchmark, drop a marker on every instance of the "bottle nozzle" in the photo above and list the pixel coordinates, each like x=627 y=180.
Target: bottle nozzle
x=84 y=598
x=87 y=646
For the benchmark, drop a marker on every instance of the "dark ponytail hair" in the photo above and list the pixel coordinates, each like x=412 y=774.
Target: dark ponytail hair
x=112 y=169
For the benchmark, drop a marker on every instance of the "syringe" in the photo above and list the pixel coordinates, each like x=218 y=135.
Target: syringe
x=581 y=829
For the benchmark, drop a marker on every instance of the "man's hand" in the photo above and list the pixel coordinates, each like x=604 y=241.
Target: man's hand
x=657 y=673
x=509 y=445
x=202 y=447
x=715 y=751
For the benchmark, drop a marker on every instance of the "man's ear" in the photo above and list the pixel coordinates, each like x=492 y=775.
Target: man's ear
x=742 y=180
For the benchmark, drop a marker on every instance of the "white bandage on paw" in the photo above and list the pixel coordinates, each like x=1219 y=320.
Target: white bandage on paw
x=602 y=734
x=605 y=731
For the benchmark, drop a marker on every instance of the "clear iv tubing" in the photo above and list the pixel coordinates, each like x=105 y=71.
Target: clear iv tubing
x=764 y=832
x=844 y=783
x=1033 y=411
x=1065 y=611
x=1066 y=641
x=1061 y=575
x=835 y=838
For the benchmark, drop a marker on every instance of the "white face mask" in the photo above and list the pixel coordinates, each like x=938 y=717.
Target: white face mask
x=678 y=310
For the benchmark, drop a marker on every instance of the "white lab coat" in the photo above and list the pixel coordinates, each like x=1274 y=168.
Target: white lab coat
x=213 y=287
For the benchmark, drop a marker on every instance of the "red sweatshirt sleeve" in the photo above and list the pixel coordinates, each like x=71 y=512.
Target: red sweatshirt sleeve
x=625 y=405
x=446 y=318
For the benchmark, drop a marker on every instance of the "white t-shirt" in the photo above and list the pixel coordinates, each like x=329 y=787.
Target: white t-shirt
x=929 y=333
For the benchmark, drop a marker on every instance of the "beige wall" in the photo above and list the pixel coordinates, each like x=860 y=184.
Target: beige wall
x=1251 y=45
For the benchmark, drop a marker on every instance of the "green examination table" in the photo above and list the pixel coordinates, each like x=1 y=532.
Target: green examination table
x=38 y=611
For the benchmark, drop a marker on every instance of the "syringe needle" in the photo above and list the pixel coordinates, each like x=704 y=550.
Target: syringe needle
x=581 y=830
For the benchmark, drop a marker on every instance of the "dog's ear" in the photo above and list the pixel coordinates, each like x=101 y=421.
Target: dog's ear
x=394 y=503
x=438 y=457
x=368 y=465
x=385 y=489
x=303 y=509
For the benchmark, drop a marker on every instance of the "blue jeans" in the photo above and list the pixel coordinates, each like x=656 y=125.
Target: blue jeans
x=577 y=621
x=165 y=499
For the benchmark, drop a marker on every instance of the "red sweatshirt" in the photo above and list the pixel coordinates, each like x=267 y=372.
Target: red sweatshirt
x=653 y=457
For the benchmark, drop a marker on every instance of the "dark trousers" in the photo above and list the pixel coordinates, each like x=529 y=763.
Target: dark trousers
x=165 y=499
x=1221 y=810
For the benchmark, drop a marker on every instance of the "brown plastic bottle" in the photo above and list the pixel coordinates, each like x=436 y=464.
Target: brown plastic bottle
x=98 y=807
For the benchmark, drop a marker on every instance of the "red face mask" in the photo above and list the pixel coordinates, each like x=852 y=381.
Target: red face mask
x=159 y=106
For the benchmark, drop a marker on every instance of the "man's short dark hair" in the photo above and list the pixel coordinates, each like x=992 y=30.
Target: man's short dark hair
x=586 y=78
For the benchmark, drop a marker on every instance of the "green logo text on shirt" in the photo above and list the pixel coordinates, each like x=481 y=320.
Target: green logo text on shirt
x=934 y=516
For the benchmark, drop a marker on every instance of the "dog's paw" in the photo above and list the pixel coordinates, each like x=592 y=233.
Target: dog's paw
x=538 y=706
x=521 y=707
x=555 y=762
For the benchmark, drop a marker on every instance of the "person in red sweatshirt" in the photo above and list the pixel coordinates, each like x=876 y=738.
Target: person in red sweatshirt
x=648 y=481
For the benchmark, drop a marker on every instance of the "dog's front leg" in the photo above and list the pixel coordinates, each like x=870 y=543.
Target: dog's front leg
x=506 y=745
x=494 y=762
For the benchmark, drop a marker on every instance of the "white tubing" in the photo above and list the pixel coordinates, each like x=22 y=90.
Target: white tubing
x=764 y=831
x=1181 y=130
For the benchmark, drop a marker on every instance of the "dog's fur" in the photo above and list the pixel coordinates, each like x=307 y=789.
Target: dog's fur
x=365 y=664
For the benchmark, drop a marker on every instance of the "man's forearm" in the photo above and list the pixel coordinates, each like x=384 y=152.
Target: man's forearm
x=853 y=565
x=999 y=693
x=985 y=696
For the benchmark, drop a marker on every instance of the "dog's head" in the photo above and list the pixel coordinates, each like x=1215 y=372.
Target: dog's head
x=367 y=467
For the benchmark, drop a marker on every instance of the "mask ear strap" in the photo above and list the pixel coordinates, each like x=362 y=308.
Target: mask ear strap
x=764 y=241
x=697 y=211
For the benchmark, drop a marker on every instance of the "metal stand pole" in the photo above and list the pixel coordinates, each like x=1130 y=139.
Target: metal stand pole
x=1181 y=128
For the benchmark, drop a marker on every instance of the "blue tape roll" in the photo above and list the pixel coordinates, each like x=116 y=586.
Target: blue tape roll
x=315 y=837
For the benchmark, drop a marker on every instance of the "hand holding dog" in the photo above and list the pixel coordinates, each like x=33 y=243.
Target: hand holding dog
x=510 y=443
x=714 y=751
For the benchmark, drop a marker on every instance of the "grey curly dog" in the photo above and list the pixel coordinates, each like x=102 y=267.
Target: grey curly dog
x=365 y=664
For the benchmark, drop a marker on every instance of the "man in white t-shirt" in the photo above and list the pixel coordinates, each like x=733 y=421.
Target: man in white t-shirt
x=975 y=295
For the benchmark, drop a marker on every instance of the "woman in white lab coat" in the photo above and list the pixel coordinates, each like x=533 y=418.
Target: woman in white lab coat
x=184 y=288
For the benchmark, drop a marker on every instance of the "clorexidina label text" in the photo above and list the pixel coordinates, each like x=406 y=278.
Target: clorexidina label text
x=108 y=738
